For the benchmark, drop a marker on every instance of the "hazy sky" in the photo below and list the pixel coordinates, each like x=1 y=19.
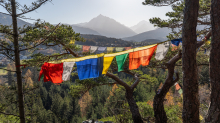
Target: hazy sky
x=127 y=12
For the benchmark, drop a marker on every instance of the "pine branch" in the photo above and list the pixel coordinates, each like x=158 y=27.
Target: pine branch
x=34 y=8
x=41 y=41
x=9 y=114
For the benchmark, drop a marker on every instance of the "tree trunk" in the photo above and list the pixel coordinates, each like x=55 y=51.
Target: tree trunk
x=133 y=107
x=190 y=79
x=17 y=63
x=214 y=109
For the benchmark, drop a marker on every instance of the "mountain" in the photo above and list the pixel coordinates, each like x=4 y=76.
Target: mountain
x=159 y=34
x=109 y=27
x=6 y=20
x=83 y=30
x=143 y=26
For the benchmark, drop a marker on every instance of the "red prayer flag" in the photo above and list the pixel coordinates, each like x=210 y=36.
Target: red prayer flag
x=128 y=48
x=177 y=86
x=52 y=72
x=142 y=57
x=86 y=48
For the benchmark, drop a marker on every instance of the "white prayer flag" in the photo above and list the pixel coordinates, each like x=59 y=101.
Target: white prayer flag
x=67 y=69
x=162 y=50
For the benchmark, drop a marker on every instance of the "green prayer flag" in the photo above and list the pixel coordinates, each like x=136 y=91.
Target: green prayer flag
x=120 y=61
x=42 y=77
x=180 y=91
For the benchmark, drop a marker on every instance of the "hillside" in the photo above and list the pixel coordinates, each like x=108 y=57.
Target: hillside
x=6 y=20
x=159 y=34
x=96 y=40
x=83 y=30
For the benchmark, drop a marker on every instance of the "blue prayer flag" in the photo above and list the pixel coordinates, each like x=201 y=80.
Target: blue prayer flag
x=90 y=68
x=176 y=41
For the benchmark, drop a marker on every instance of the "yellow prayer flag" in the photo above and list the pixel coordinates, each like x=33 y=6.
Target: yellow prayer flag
x=200 y=117
x=106 y=64
x=72 y=41
x=207 y=42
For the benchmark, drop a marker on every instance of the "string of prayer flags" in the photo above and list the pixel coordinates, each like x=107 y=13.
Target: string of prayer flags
x=67 y=69
x=56 y=73
x=162 y=50
x=101 y=50
x=141 y=57
x=86 y=48
x=176 y=41
x=128 y=48
x=90 y=68
x=120 y=61
x=93 y=49
x=52 y=72
x=119 y=49
x=106 y=63
x=110 y=49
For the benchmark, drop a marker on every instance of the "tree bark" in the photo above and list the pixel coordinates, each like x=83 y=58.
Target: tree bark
x=214 y=109
x=190 y=112
x=133 y=106
x=159 y=112
x=17 y=63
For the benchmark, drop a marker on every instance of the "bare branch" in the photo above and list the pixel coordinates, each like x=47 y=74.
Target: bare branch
x=137 y=80
x=34 y=8
x=7 y=70
x=9 y=114
x=5 y=13
x=119 y=81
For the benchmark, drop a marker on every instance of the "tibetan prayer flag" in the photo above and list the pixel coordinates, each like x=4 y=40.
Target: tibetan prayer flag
x=200 y=117
x=93 y=49
x=110 y=49
x=101 y=50
x=162 y=50
x=52 y=72
x=86 y=48
x=67 y=70
x=120 y=61
x=119 y=49
x=128 y=48
x=106 y=64
x=174 y=47
x=178 y=86
x=207 y=52
x=42 y=77
x=72 y=41
x=141 y=57
x=176 y=41
x=90 y=68
x=79 y=46
x=180 y=91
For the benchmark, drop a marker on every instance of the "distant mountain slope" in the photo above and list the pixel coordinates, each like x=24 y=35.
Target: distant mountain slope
x=6 y=20
x=109 y=27
x=143 y=26
x=159 y=34
x=83 y=30
x=96 y=40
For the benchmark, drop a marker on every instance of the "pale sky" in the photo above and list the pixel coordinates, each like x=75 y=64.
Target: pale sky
x=127 y=12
